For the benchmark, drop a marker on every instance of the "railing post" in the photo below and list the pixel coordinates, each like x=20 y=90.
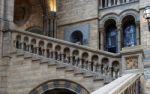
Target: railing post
x=101 y=4
x=118 y=2
x=109 y=3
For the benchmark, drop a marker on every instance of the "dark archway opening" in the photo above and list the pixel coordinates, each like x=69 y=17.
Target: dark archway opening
x=129 y=31
x=59 y=91
x=77 y=37
x=111 y=42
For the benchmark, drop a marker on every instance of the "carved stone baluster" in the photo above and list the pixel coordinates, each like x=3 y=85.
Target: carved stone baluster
x=106 y=3
x=109 y=3
x=118 y=2
x=101 y=4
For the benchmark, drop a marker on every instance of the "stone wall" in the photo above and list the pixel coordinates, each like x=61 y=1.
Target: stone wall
x=76 y=10
x=35 y=18
x=93 y=31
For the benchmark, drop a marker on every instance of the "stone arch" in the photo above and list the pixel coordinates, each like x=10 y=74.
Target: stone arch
x=131 y=12
x=25 y=43
x=41 y=48
x=49 y=46
x=94 y=62
x=57 y=52
x=129 y=31
x=67 y=51
x=104 y=65
x=115 y=69
x=85 y=55
x=18 y=42
x=75 y=53
x=58 y=48
x=32 y=46
x=111 y=36
x=49 y=49
x=35 y=29
x=106 y=17
x=59 y=84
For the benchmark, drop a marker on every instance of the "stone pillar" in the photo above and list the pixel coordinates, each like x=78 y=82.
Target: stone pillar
x=101 y=38
x=118 y=2
x=109 y=3
x=101 y=4
x=127 y=1
x=119 y=30
x=106 y=3
x=138 y=33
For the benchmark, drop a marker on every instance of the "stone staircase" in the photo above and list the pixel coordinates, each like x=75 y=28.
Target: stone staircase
x=35 y=59
x=40 y=69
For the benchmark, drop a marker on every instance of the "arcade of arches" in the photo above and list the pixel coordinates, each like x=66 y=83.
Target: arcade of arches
x=116 y=36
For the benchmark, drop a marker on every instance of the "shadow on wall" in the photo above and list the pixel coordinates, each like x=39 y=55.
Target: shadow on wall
x=35 y=29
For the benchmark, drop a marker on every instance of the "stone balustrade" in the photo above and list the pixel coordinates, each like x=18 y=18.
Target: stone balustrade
x=97 y=61
x=127 y=84
x=112 y=3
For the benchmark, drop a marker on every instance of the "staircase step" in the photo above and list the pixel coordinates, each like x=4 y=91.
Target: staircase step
x=35 y=58
x=70 y=69
x=20 y=53
x=78 y=72
x=99 y=78
x=27 y=55
x=52 y=63
x=44 y=60
x=88 y=74
x=61 y=66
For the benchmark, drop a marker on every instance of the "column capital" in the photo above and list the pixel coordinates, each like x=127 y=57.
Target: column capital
x=119 y=26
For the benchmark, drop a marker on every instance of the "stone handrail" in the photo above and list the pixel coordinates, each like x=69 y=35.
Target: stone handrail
x=97 y=61
x=62 y=42
x=127 y=84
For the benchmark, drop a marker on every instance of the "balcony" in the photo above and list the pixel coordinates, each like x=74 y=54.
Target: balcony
x=112 y=3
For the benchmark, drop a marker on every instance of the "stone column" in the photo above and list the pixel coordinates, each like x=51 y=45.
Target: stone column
x=118 y=2
x=127 y=1
x=109 y=3
x=138 y=33
x=101 y=38
x=101 y=4
x=106 y=3
x=119 y=30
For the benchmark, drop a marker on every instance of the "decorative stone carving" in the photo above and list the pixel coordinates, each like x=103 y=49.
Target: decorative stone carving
x=131 y=62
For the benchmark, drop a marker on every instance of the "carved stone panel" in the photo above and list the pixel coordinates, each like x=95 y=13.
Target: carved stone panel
x=131 y=62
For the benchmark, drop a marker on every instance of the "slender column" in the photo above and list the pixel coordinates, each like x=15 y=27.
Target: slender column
x=127 y=1
x=102 y=38
x=119 y=30
x=105 y=3
x=114 y=2
x=109 y=3
x=138 y=33
x=118 y=2
x=101 y=4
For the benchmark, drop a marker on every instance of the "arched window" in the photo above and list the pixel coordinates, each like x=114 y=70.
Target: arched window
x=77 y=37
x=111 y=36
x=130 y=35
x=129 y=32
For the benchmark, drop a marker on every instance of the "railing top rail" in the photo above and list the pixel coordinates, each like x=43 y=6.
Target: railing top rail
x=67 y=43
x=118 y=85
